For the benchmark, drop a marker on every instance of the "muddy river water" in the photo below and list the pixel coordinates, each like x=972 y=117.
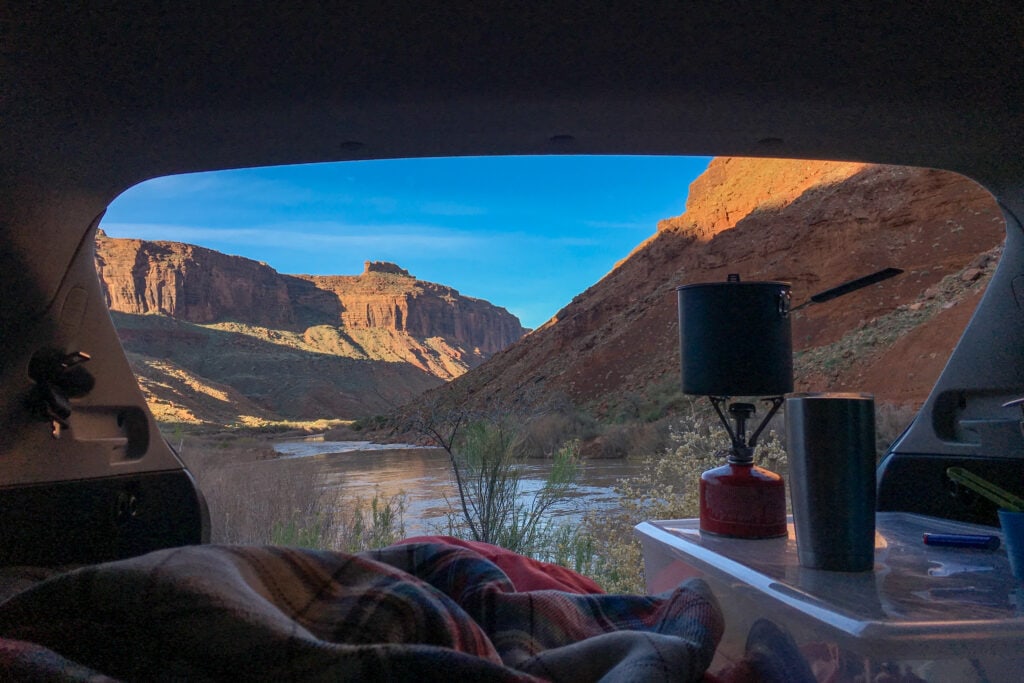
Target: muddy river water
x=424 y=475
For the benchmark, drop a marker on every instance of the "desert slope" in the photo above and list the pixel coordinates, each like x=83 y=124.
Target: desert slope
x=222 y=339
x=814 y=224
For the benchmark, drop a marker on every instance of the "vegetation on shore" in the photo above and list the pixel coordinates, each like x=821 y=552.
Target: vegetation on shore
x=492 y=504
x=255 y=504
x=672 y=437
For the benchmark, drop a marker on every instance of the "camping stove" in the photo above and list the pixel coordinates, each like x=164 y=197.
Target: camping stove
x=740 y=499
x=735 y=340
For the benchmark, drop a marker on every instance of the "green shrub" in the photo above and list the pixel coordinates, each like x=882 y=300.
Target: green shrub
x=546 y=430
x=303 y=534
x=381 y=525
x=668 y=488
x=492 y=505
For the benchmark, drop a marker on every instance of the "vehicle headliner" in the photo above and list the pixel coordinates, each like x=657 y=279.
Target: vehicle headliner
x=100 y=98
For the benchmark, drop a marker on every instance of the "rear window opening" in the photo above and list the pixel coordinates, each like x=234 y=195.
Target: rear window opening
x=299 y=300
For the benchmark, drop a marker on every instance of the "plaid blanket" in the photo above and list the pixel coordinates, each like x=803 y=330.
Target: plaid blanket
x=422 y=611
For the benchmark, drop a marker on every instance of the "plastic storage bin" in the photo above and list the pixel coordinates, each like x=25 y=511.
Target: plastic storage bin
x=937 y=613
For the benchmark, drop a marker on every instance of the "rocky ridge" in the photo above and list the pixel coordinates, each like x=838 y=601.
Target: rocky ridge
x=814 y=224
x=205 y=329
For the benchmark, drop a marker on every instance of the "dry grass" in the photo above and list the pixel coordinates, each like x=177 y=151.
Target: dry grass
x=285 y=502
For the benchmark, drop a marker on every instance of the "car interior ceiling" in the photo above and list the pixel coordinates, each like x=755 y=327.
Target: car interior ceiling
x=99 y=98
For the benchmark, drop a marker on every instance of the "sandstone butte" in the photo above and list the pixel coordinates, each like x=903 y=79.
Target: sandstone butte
x=814 y=224
x=224 y=339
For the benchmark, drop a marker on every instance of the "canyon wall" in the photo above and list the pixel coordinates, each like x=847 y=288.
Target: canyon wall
x=388 y=296
x=814 y=224
x=200 y=325
x=190 y=283
x=200 y=285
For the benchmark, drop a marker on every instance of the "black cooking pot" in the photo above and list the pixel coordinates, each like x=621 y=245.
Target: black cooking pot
x=735 y=338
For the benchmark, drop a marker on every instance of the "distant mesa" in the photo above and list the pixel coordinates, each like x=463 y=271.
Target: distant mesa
x=202 y=286
x=298 y=346
x=384 y=267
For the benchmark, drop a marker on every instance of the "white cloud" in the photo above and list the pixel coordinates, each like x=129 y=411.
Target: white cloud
x=223 y=187
x=299 y=237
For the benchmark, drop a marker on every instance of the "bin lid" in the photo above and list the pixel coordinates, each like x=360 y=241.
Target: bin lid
x=927 y=602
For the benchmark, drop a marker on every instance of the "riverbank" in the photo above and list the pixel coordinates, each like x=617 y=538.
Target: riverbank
x=317 y=445
x=286 y=429
x=254 y=482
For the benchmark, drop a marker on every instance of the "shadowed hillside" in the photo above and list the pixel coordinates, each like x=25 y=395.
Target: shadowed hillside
x=814 y=224
x=222 y=339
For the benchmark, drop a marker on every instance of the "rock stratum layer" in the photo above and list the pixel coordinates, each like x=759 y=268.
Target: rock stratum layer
x=814 y=224
x=223 y=339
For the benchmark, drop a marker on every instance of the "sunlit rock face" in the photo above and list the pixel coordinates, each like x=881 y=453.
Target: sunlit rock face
x=204 y=286
x=293 y=345
x=387 y=296
x=815 y=224
x=190 y=283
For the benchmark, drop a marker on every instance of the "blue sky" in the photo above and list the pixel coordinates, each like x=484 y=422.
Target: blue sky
x=526 y=233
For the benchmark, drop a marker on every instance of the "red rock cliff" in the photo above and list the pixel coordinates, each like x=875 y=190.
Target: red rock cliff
x=388 y=296
x=190 y=283
x=814 y=224
x=204 y=286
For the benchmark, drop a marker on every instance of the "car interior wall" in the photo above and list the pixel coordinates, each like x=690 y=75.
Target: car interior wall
x=964 y=423
x=101 y=110
x=109 y=486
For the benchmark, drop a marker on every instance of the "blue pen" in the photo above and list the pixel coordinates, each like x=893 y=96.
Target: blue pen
x=982 y=541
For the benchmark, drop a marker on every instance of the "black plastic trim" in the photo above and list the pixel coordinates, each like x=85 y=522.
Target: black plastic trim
x=918 y=483
x=98 y=520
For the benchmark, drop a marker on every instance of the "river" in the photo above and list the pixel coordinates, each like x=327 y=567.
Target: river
x=424 y=475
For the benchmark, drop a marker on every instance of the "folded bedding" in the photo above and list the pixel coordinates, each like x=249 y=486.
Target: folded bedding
x=424 y=611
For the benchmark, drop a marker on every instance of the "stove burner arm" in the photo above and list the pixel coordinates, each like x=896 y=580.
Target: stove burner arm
x=776 y=402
